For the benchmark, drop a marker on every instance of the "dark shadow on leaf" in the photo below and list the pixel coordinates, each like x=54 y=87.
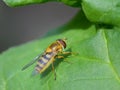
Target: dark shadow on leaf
x=106 y=26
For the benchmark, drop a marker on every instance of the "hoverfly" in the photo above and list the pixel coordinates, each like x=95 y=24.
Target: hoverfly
x=48 y=57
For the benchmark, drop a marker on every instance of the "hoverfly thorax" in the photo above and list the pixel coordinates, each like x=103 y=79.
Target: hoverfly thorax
x=58 y=46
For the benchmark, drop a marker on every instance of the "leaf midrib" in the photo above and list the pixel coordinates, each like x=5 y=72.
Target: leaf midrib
x=110 y=61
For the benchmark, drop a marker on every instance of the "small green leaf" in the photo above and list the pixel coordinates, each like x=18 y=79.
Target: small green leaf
x=14 y=3
x=95 y=67
x=74 y=3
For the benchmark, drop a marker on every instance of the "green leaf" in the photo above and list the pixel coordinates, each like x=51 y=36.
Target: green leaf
x=13 y=3
x=95 y=67
x=102 y=11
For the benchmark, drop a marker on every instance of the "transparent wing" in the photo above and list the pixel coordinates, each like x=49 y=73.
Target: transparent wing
x=30 y=63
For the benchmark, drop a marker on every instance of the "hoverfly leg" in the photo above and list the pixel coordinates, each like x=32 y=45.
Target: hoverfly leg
x=59 y=56
x=54 y=71
x=72 y=53
x=68 y=61
x=66 y=52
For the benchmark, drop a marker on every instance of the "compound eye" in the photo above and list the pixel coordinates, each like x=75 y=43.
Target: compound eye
x=62 y=42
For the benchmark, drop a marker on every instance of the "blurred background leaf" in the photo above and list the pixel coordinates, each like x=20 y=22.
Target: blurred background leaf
x=13 y=3
x=102 y=11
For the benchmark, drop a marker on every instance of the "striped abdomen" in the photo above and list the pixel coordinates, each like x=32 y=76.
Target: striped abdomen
x=44 y=62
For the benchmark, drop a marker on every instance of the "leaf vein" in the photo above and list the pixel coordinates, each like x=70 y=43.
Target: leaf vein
x=110 y=61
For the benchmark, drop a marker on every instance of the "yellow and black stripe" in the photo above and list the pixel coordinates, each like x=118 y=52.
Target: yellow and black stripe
x=45 y=58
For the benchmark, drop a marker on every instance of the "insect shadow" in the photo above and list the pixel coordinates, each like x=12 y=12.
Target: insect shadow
x=56 y=63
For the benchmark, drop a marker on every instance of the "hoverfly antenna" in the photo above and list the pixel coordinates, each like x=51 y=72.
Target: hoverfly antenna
x=65 y=39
